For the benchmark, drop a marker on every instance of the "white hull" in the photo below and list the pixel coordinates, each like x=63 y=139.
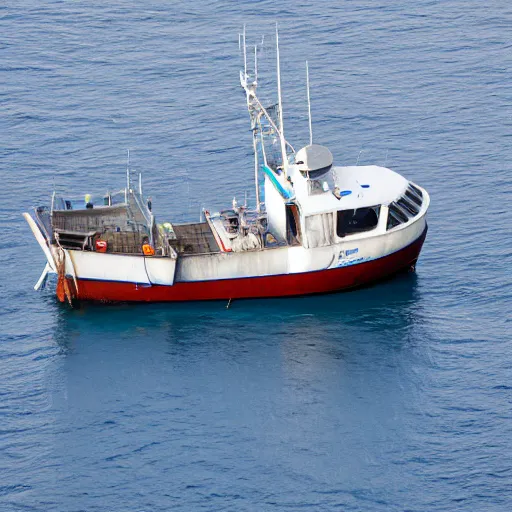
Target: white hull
x=231 y=265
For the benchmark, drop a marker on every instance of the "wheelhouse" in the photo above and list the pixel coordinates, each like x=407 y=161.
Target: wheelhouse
x=322 y=219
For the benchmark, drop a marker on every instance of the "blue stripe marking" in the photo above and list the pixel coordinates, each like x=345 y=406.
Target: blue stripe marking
x=287 y=194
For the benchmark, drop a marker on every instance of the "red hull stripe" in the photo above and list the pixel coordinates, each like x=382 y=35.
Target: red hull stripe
x=321 y=281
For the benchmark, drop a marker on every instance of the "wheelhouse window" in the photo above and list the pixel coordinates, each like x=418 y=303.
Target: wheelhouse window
x=416 y=190
x=349 y=222
x=408 y=206
x=395 y=216
x=403 y=209
x=409 y=194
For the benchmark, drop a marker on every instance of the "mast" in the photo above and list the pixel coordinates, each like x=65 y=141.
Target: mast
x=280 y=101
x=256 y=63
x=309 y=106
x=257 y=113
x=127 y=189
x=256 y=168
x=128 y=170
x=245 y=54
x=255 y=135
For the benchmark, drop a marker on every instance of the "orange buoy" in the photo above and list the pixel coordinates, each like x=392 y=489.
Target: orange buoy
x=148 y=250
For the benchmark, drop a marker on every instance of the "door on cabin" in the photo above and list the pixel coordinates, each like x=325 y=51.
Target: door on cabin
x=293 y=233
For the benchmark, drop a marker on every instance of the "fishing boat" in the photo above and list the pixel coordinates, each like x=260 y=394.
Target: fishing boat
x=315 y=227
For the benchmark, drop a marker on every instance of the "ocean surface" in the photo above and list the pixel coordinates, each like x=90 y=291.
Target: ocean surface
x=396 y=397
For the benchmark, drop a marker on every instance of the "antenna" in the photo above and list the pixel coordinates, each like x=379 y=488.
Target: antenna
x=309 y=106
x=255 y=63
x=128 y=171
x=245 y=55
x=280 y=101
x=256 y=168
x=357 y=163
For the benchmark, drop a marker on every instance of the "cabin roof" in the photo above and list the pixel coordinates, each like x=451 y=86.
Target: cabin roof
x=369 y=185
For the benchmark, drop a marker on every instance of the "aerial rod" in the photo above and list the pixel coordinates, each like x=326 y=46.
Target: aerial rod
x=245 y=54
x=128 y=170
x=309 y=106
x=280 y=101
x=256 y=63
x=256 y=169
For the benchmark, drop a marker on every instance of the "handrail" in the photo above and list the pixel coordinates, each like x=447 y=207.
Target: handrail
x=144 y=211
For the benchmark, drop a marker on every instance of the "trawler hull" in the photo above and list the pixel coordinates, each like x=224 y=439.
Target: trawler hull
x=281 y=285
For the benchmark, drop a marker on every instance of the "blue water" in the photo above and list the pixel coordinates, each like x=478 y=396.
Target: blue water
x=395 y=397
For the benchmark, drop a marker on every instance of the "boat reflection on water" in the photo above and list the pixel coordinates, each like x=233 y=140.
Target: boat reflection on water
x=309 y=387
x=362 y=328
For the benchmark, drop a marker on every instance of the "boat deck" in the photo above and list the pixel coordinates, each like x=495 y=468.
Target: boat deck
x=194 y=238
